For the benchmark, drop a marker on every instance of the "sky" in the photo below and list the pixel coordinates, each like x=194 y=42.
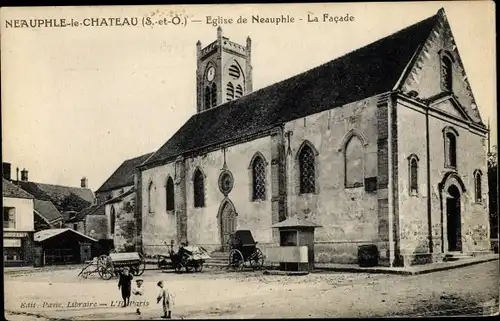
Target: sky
x=79 y=101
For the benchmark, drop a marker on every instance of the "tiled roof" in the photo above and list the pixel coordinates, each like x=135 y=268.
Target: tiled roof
x=124 y=175
x=11 y=190
x=47 y=210
x=64 y=198
x=366 y=72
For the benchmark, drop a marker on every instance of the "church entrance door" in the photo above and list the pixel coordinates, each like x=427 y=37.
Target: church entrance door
x=453 y=217
x=227 y=222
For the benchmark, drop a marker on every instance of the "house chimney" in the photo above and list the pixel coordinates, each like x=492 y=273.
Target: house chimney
x=17 y=174
x=24 y=175
x=84 y=182
x=6 y=171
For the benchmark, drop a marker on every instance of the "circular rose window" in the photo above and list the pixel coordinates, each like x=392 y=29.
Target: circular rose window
x=226 y=182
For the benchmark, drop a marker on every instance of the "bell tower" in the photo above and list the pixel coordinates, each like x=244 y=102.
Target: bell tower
x=223 y=72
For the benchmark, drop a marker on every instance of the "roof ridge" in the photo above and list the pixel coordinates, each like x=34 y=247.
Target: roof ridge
x=353 y=76
x=321 y=65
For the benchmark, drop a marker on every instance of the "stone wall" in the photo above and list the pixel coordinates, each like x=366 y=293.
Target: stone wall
x=124 y=236
x=349 y=216
x=423 y=216
x=201 y=226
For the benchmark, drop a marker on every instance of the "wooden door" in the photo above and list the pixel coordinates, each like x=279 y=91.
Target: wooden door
x=227 y=224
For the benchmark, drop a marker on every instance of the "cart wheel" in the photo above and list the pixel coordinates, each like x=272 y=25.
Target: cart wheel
x=178 y=268
x=198 y=268
x=188 y=268
x=236 y=261
x=139 y=269
x=105 y=273
x=257 y=260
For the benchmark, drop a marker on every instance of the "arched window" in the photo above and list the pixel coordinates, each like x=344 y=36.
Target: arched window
x=170 y=194
x=151 y=197
x=478 y=176
x=213 y=102
x=234 y=71
x=208 y=98
x=354 y=155
x=198 y=189
x=230 y=91
x=258 y=179
x=307 y=165
x=112 y=219
x=413 y=174
x=451 y=150
x=239 y=92
x=446 y=73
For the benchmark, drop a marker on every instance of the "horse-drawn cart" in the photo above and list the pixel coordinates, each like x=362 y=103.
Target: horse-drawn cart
x=188 y=258
x=243 y=249
x=113 y=264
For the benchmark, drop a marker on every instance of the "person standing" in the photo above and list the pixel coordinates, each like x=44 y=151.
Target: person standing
x=125 y=284
x=166 y=297
x=138 y=292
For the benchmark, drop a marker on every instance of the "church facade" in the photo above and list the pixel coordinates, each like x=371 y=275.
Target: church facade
x=383 y=146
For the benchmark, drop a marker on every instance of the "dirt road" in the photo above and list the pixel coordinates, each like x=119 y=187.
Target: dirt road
x=216 y=294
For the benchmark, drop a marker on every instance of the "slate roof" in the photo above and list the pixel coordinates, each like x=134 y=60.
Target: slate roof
x=99 y=209
x=92 y=210
x=47 y=210
x=124 y=175
x=11 y=190
x=64 y=198
x=365 y=72
x=43 y=235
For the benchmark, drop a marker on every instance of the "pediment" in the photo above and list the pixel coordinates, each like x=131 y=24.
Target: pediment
x=450 y=106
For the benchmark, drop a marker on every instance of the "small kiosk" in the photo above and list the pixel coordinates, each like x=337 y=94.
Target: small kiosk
x=296 y=251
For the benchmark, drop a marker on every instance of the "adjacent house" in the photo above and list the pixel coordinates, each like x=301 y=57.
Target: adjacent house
x=18 y=225
x=121 y=180
x=47 y=216
x=67 y=200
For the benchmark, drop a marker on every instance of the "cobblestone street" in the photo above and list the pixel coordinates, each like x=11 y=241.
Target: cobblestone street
x=217 y=294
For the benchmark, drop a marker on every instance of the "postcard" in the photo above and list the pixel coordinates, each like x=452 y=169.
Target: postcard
x=249 y=161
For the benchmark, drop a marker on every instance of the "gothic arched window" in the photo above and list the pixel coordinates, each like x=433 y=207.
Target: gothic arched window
x=478 y=176
x=354 y=155
x=151 y=197
x=198 y=189
x=112 y=219
x=446 y=73
x=170 y=194
x=207 y=97
x=307 y=172
x=413 y=174
x=230 y=91
x=238 y=92
x=258 y=179
x=451 y=150
x=213 y=102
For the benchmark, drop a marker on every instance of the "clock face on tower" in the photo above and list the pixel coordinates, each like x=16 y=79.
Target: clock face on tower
x=210 y=73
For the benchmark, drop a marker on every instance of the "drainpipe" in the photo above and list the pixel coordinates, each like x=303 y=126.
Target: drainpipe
x=390 y=200
x=289 y=171
x=429 y=204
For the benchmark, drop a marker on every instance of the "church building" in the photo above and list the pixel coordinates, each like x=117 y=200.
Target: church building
x=383 y=146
